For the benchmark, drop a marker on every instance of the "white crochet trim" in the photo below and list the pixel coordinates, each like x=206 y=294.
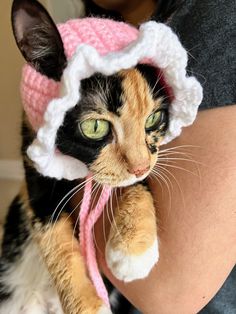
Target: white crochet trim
x=156 y=42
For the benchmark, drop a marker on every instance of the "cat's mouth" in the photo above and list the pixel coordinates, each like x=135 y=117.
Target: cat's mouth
x=115 y=182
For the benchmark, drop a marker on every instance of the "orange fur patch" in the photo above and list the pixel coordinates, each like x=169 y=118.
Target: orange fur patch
x=62 y=256
x=134 y=227
x=129 y=148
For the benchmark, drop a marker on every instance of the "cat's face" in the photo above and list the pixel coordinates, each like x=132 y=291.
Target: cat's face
x=117 y=126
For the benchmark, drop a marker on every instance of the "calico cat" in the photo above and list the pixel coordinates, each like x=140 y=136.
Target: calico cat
x=115 y=129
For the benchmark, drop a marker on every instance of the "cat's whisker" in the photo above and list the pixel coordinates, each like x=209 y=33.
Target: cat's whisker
x=96 y=191
x=166 y=179
x=160 y=175
x=76 y=222
x=185 y=146
x=187 y=157
x=163 y=169
x=160 y=75
x=110 y=206
x=174 y=159
x=61 y=201
x=177 y=167
x=118 y=209
x=114 y=221
x=153 y=176
x=102 y=92
x=80 y=186
x=157 y=81
x=184 y=156
x=175 y=151
x=175 y=155
x=163 y=98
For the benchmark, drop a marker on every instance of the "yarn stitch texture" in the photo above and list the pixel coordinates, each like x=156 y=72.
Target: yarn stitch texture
x=155 y=43
x=88 y=218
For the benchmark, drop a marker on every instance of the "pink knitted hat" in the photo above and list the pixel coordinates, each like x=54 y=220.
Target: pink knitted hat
x=101 y=45
x=104 y=35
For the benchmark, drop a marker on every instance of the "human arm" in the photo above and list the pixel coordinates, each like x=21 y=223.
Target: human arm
x=198 y=240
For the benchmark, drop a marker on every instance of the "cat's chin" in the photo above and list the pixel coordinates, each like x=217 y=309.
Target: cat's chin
x=132 y=180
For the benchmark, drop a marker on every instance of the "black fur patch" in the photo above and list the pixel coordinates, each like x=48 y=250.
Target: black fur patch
x=152 y=77
x=16 y=231
x=44 y=193
x=69 y=139
x=71 y=142
x=16 y=234
x=110 y=86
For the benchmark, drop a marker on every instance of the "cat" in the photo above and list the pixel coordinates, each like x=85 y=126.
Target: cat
x=116 y=130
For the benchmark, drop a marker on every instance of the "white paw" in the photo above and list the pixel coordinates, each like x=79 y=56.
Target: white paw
x=104 y=310
x=131 y=267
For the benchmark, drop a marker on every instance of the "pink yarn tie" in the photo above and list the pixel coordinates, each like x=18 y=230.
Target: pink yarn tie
x=88 y=218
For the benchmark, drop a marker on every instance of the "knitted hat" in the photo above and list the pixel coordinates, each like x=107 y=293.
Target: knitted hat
x=104 y=35
x=101 y=45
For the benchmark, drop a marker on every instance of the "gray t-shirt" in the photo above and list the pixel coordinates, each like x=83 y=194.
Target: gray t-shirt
x=225 y=300
x=207 y=29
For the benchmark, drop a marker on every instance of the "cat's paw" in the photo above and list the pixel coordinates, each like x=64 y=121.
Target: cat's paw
x=130 y=267
x=104 y=310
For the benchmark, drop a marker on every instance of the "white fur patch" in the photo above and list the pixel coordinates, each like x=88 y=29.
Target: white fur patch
x=104 y=310
x=33 y=291
x=131 y=267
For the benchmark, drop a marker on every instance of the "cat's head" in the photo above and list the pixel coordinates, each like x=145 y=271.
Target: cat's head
x=118 y=124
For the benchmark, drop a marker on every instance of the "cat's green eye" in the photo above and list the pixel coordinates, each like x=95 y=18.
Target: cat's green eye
x=155 y=120
x=95 y=129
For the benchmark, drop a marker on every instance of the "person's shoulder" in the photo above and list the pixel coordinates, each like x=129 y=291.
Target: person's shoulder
x=207 y=30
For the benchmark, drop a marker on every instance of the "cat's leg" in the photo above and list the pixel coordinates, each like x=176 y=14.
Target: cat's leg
x=53 y=231
x=132 y=247
x=61 y=252
x=25 y=285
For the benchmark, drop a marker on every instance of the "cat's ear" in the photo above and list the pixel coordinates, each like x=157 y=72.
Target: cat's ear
x=38 y=38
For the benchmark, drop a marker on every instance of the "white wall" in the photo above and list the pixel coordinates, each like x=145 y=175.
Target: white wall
x=10 y=104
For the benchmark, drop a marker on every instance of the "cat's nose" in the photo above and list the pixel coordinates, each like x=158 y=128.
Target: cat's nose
x=139 y=170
